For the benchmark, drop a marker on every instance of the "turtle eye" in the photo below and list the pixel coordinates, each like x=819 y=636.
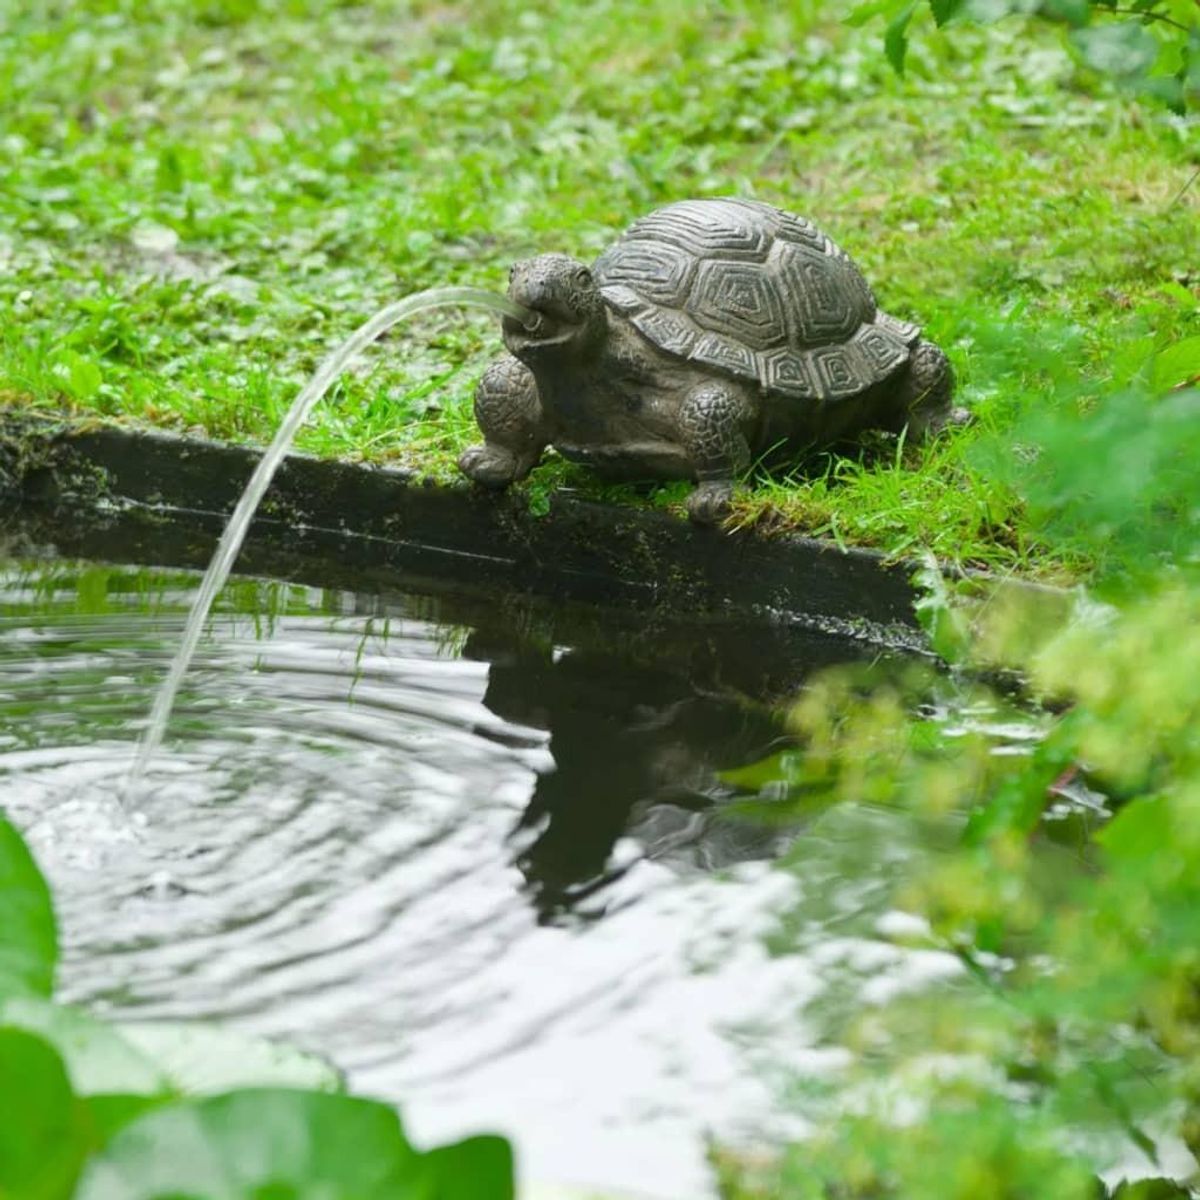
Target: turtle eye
x=512 y=272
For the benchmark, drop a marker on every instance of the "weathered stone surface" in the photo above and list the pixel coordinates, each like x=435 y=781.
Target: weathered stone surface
x=380 y=527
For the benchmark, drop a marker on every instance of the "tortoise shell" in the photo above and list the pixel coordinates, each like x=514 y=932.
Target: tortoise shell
x=757 y=293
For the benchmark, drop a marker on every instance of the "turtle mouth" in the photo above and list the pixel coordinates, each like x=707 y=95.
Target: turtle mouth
x=545 y=330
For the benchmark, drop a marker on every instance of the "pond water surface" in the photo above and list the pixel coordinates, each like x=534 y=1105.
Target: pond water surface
x=480 y=853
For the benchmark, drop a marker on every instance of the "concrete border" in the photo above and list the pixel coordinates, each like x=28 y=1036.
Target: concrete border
x=393 y=527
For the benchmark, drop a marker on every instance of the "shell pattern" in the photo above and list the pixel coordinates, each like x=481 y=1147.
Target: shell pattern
x=755 y=292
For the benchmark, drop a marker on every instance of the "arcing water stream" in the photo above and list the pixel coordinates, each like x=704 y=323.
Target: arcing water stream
x=239 y=523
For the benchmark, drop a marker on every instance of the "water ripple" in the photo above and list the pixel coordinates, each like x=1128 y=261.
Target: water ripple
x=485 y=861
x=469 y=865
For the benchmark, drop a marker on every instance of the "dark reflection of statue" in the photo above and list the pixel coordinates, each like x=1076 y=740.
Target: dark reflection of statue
x=637 y=750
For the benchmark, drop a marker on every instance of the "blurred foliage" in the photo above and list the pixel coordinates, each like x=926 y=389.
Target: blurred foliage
x=1107 y=469
x=99 y=1112
x=1151 y=47
x=1069 y=1045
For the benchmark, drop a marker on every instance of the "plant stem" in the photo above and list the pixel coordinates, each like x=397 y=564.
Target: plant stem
x=1151 y=15
x=1183 y=190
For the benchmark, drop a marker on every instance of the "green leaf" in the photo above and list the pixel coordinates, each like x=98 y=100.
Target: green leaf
x=43 y=1128
x=1180 y=296
x=1072 y=12
x=98 y=1059
x=169 y=175
x=777 y=767
x=28 y=939
x=1184 y=11
x=895 y=40
x=945 y=10
x=1122 y=49
x=863 y=13
x=203 y=1059
x=1151 y=1189
x=107 y=1114
x=1138 y=833
x=539 y=501
x=1177 y=364
x=479 y=1168
x=78 y=376
x=85 y=378
x=249 y=1144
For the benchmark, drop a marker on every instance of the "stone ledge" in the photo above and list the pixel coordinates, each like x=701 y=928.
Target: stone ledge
x=393 y=525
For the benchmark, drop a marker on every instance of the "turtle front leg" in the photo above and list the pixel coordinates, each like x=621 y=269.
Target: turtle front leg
x=711 y=432
x=923 y=399
x=510 y=416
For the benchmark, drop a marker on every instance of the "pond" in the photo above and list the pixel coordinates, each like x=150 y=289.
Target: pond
x=484 y=852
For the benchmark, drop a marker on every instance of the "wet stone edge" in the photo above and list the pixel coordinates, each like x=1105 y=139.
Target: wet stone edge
x=390 y=523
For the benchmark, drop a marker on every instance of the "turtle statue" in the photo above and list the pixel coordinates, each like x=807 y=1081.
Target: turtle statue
x=712 y=333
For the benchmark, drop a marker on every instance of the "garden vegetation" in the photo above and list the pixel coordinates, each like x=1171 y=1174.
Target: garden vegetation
x=200 y=198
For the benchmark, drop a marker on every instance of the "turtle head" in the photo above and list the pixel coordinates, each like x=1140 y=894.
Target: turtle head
x=570 y=310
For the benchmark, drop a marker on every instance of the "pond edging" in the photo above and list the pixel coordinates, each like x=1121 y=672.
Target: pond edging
x=389 y=520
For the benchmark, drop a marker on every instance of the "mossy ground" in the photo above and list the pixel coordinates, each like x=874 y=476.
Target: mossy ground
x=200 y=197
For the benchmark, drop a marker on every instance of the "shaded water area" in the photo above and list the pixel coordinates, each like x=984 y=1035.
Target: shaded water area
x=483 y=852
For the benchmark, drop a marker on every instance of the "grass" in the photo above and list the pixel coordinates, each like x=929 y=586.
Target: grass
x=200 y=197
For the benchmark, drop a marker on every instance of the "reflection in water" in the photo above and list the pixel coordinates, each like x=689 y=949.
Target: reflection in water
x=465 y=849
x=636 y=751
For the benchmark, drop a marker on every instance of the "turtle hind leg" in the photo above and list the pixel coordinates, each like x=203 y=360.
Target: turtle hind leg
x=711 y=432
x=922 y=399
x=509 y=413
